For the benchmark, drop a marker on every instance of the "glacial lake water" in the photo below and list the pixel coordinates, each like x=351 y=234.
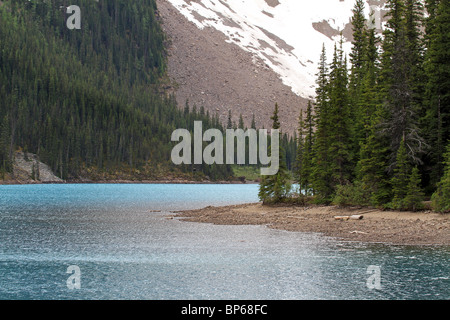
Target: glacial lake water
x=119 y=237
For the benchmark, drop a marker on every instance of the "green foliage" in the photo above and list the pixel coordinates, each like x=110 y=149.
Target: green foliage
x=332 y=154
x=307 y=156
x=400 y=80
x=276 y=187
x=300 y=152
x=414 y=196
x=401 y=178
x=5 y=151
x=251 y=173
x=89 y=101
x=352 y=195
x=436 y=121
x=321 y=172
x=441 y=198
x=387 y=114
x=406 y=188
x=371 y=168
x=304 y=156
x=358 y=53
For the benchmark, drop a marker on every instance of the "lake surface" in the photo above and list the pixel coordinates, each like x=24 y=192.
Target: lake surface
x=119 y=237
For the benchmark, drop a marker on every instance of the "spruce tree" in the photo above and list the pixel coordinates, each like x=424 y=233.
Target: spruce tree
x=186 y=108
x=253 y=124
x=300 y=154
x=307 y=156
x=358 y=73
x=414 y=196
x=368 y=95
x=414 y=22
x=371 y=168
x=437 y=69
x=275 y=188
x=229 y=120
x=339 y=145
x=241 y=124
x=321 y=171
x=401 y=178
x=441 y=198
x=5 y=154
x=398 y=85
x=357 y=55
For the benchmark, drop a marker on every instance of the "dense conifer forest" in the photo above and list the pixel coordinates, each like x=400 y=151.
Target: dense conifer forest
x=89 y=102
x=379 y=127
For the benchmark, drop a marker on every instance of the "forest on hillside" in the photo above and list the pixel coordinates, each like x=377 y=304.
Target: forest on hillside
x=378 y=132
x=89 y=102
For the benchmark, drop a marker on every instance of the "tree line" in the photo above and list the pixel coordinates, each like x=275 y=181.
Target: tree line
x=378 y=132
x=89 y=102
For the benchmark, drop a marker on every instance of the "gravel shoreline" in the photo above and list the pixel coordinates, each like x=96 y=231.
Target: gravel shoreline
x=376 y=226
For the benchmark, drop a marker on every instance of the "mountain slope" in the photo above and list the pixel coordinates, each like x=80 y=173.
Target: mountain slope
x=220 y=76
x=247 y=55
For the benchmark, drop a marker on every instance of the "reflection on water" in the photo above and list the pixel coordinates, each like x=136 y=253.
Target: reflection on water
x=126 y=248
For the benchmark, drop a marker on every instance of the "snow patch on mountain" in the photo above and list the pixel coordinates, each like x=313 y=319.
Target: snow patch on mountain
x=284 y=35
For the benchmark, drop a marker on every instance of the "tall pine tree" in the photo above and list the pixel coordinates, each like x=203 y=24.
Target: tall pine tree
x=441 y=198
x=398 y=85
x=275 y=188
x=307 y=156
x=437 y=69
x=401 y=178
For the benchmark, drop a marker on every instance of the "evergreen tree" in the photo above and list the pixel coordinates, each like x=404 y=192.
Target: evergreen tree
x=366 y=101
x=307 y=156
x=339 y=116
x=437 y=68
x=299 y=161
x=241 y=124
x=229 y=121
x=275 y=188
x=321 y=171
x=401 y=178
x=357 y=74
x=414 y=196
x=371 y=172
x=357 y=55
x=371 y=168
x=441 y=198
x=5 y=139
x=332 y=162
x=186 y=108
x=398 y=84
x=414 y=21
x=253 y=124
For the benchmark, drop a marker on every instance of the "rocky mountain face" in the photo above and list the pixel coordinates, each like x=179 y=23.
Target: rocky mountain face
x=245 y=56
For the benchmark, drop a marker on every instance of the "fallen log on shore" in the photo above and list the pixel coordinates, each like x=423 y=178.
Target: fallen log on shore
x=346 y=218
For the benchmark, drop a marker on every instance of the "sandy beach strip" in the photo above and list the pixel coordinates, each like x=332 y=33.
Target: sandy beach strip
x=374 y=226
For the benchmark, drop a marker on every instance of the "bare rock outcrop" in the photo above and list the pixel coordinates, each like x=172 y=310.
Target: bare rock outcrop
x=210 y=72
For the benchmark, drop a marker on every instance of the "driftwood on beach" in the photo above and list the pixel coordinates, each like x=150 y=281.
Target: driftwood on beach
x=345 y=218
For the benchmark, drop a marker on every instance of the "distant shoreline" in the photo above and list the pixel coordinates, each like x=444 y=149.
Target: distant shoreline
x=124 y=182
x=376 y=226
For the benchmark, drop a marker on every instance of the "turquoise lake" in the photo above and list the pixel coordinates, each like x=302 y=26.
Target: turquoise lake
x=119 y=237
